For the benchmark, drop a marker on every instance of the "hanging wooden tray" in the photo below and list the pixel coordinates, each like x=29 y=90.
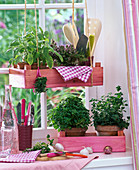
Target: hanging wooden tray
x=25 y=78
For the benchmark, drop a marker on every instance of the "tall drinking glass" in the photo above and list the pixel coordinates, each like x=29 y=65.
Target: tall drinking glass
x=6 y=141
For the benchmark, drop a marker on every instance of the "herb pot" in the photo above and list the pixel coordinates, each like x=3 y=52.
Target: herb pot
x=20 y=65
x=26 y=66
x=75 y=132
x=107 y=130
x=35 y=66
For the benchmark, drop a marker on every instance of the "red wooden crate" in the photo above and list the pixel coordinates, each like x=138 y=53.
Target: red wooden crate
x=26 y=78
x=97 y=143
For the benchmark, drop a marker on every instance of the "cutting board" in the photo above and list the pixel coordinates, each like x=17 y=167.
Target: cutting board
x=43 y=157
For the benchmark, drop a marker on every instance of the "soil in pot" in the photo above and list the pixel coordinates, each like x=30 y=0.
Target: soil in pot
x=75 y=132
x=34 y=66
x=107 y=130
x=20 y=65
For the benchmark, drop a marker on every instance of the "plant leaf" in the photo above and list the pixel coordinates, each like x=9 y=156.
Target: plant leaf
x=41 y=30
x=46 y=34
x=30 y=59
x=49 y=61
x=52 y=50
x=14 y=43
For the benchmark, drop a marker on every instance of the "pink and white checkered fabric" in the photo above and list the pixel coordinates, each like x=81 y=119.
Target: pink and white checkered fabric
x=71 y=72
x=22 y=157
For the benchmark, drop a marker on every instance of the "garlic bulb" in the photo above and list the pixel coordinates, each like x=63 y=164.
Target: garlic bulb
x=59 y=147
x=84 y=152
x=51 y=148
x=89 y=149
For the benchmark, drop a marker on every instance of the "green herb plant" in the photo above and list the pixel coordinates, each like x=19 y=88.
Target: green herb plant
x=50 y=140
x=109 y=110
x=24 y=48
x=70 y=55
x=44 y=147
x=40 y=84
x=69 y=113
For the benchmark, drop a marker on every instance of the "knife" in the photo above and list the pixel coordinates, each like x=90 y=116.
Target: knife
x=23 y=102
x=53 y=154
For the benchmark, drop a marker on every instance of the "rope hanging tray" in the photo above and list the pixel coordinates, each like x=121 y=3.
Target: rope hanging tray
x=25 y=78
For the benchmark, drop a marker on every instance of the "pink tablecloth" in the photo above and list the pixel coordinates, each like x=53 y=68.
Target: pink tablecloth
x=70 y=164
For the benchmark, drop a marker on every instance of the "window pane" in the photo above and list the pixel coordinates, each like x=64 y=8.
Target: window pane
x=17 y=1
x=62 y=1
x=11 y=24
x=28 y=95
x=55 y=95
x=55 y=19
x=17 y=95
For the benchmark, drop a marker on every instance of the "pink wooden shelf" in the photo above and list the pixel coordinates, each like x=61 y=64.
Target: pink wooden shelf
x=97 y=143
x=25 y=78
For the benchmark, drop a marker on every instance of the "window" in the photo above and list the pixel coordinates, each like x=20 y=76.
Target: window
x=51 y=16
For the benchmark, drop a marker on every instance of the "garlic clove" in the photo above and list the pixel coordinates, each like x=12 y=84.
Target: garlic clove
x=51 y=148
x=59 y=147
x=89 y=149
x=84 y=152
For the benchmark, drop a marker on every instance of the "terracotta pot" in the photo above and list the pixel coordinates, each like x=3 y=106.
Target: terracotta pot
x=26 y=66
x=107 y=130
x=21 y=65
x=35 y=66
x=75 y=132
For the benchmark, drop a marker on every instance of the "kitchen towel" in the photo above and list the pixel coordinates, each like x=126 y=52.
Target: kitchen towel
x=21 y=157
x=71 y=72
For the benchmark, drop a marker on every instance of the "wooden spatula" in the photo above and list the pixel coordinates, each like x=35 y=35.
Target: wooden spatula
x=93 y=27
x=82 y=43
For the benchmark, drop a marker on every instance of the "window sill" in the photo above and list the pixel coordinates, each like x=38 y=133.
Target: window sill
x=4 y=70
x=119 y=159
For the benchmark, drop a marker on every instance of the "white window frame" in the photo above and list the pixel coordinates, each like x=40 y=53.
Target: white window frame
x=39 y=134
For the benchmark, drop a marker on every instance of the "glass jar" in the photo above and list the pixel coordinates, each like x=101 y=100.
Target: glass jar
x=9 y=130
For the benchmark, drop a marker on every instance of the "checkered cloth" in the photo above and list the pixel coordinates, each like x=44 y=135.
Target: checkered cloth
x=80 y=72
x=22 y=157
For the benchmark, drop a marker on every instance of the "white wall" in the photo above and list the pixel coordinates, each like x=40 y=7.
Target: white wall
x=110 y=49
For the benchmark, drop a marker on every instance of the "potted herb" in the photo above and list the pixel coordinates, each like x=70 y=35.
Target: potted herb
x=108 y=113
x=70 y=55
x=71 y=116
x=24 y=48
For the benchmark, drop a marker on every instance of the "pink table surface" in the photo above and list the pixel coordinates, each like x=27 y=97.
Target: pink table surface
x=70 y=164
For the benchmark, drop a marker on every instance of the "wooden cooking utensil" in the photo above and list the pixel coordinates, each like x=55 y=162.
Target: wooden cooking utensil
x=82 y=43
x=70 y=30
x=70 y=34
x=93 y=27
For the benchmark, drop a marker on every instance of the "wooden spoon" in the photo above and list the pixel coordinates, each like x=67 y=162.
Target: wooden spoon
x=71 y=33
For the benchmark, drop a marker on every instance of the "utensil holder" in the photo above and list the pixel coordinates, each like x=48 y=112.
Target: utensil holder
x=25 y=137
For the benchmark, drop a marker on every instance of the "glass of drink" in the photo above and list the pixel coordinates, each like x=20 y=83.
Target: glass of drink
x=6 y=141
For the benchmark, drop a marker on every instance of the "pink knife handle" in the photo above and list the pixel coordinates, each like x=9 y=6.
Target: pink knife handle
x=26 y=120
x=29 y=109
x=52 y=155
x=23 y=101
